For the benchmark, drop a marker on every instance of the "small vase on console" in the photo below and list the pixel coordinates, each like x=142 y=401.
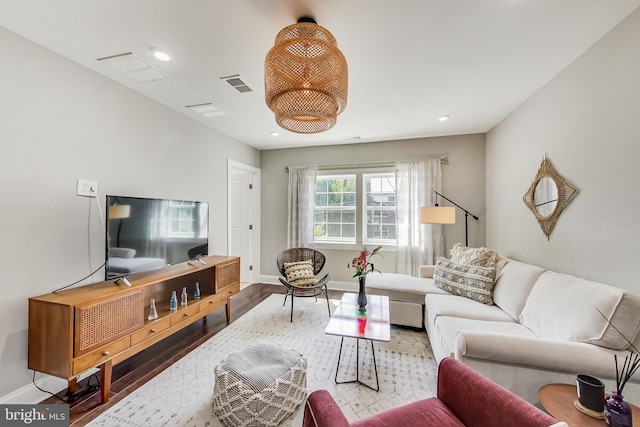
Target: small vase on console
x=362 y=295
x=617 y=412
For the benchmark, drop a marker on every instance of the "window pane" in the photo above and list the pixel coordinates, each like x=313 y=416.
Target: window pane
x=333 y=230
x=380 y=204
x=348 y=230
x=338 y=193
x=389 y=217
x=349 y=199
x=349 y=216
x=334 y=216
x=334 y=199
x=321 y=185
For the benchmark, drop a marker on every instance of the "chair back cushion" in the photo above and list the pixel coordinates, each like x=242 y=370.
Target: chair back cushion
x=317 y=259
x=300 y=273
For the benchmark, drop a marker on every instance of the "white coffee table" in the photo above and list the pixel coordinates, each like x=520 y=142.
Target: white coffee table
x=372 y=325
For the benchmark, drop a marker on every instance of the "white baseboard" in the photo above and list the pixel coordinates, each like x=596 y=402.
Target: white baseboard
x=29 y=394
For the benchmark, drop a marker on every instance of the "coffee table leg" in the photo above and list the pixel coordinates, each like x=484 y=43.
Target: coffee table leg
x=338 y=366
x=375 y=366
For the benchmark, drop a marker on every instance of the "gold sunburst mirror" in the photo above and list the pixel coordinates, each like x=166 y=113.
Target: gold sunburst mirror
x=548 y=196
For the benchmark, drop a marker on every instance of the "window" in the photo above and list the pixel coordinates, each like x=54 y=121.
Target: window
x=355 y=208
x=380 y=207
x=335 y=208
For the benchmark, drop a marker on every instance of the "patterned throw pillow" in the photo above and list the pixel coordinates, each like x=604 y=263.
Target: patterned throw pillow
x=470 y=281
x=473 y=256
x=300 y=273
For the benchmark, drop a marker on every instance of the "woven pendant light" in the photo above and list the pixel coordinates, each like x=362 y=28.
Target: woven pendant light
x=305 y=78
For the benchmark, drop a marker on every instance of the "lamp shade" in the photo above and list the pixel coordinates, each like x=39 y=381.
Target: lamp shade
x=438 y=215
x=119 y=211
x=305 y=78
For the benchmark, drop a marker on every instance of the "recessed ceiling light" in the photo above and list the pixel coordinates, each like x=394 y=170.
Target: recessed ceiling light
x=443 y=118
x=274 y=133
x=162 y=56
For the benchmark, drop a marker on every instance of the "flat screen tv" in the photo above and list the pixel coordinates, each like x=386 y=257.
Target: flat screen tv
x=145 y=234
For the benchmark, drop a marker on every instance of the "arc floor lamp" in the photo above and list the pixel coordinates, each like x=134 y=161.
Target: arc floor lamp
x=445 y=215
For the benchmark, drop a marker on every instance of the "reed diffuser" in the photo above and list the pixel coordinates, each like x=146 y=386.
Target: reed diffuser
x=617 y=412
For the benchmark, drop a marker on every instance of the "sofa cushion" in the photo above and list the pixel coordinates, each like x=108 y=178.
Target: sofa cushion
x=473 y=256
x=564 y=307
x=513 y=286
x=401 y=287
x=470 y=281
x=454 y=306
x=300 y=273
x=447 y=329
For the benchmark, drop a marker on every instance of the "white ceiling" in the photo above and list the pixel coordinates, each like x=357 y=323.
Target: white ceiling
x=410 y=61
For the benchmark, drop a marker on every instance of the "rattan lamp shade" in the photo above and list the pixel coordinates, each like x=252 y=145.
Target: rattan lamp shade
x=305 y=78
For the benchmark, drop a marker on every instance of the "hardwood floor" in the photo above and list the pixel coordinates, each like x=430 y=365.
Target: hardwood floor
x=85 y=404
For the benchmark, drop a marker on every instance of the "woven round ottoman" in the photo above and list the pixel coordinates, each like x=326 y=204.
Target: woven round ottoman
x=260 y=385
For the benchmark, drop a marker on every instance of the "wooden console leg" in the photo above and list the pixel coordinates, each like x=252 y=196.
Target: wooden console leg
x=72 y=385
x=227 y=307
x=105 y=380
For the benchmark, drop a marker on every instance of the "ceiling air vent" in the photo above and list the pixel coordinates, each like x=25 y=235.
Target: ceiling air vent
x=133 y=66
x=207 y=109
x=237 y=83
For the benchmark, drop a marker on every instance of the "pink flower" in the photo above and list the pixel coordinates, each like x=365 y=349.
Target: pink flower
x=361 y=264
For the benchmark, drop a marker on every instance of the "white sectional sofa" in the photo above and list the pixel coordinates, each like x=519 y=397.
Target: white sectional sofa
x=543 y=326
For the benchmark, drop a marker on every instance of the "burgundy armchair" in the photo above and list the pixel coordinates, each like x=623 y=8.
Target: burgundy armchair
x=465 y=398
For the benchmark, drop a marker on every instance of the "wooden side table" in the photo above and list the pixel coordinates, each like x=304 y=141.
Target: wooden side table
x=558 y=400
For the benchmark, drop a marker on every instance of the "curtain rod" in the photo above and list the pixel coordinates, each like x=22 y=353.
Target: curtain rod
x=443 y=160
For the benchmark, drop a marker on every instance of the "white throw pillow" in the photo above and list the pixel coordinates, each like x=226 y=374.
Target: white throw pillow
x=483 y=257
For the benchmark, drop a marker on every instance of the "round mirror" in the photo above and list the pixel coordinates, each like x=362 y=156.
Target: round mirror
x=545 y=196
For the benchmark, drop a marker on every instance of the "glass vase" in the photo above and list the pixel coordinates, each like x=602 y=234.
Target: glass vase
x=617 y=411
x=153 y=313
x=362 y=296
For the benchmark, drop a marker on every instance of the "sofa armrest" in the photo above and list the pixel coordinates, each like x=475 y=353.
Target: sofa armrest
x=479 y=402
x=427 y=271
x=321 y=410
x=535 y=352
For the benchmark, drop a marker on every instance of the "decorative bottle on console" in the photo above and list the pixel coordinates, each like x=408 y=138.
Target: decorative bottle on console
x=173 y=302
x=183 y=297
x=196 y=293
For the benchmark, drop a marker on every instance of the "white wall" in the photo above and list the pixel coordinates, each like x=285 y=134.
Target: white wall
x=463 y=182
x=60 y=122
x=587 y=120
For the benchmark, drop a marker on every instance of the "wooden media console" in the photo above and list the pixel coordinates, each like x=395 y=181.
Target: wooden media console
x=102 y=324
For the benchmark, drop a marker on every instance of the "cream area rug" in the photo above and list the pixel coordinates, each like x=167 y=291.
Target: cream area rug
x=182 y=394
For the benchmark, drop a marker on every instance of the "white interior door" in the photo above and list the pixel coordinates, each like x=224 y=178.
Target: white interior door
x=244 y=218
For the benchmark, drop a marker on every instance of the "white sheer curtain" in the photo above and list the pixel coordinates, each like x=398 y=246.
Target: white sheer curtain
x=418 y=243
x=301 y=204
